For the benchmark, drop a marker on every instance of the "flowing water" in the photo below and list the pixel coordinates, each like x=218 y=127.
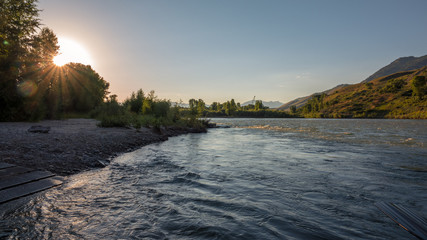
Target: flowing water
x=260 y=179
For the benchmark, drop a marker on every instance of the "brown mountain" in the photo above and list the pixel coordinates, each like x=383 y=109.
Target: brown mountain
x=399 y=65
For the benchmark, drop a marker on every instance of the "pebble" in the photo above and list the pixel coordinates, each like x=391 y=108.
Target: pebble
x=73 y=145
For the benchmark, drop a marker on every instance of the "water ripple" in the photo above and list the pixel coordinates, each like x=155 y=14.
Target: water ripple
x=241 y=183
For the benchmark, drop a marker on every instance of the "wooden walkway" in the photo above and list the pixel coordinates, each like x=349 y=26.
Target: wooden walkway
x=17 y=182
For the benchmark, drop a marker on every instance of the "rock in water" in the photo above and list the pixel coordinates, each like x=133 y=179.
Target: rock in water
x=39 y=129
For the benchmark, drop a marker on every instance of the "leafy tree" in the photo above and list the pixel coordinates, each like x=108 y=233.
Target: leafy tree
x=88 y=88
x=227 y=108
x=215 y=106
x=393 y=85
x=419 y=86
x=193 y=103
x=233 y=105
x=161 y=108
x=147 y=104
x=201 y=106
x=249 y=107
x=259 y=105
x=22 y=51
x=135 y=102
x=315 y=104
x=293 y=109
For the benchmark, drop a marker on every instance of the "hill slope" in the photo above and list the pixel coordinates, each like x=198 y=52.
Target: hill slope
x=386 y=97
x=299 y=102
x=399 y=65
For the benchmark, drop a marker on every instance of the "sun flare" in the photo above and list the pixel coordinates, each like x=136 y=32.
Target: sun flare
x=71 y=51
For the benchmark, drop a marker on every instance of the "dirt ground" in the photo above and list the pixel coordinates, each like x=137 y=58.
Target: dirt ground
x=72 y=145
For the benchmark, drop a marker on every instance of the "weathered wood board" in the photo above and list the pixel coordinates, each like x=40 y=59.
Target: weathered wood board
x=5 y=165
x=17 y=182
x=14 y=171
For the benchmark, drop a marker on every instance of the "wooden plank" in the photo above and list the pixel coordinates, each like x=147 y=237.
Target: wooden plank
x=406 y=219
x=5 y=165
x=13 y=171
x=16 y=192
x=15 y=180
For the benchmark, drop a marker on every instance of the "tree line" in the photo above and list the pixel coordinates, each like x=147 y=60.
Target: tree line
x=231 y=109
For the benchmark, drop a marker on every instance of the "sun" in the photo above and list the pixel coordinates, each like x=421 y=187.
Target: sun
x=71 y=51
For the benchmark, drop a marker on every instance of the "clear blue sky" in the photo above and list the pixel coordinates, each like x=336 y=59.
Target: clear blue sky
x=222 y=49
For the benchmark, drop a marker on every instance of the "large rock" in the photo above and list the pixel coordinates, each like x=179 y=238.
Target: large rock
x=39 y=129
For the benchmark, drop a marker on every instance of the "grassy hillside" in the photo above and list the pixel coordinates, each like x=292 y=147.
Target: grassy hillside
x=392 y=96
x=299 y=102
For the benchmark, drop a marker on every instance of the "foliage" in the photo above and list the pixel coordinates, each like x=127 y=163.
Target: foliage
x=134 y=103
x=161 y=108
x=386 y=97
x=147 y=104
x=419 y=86
x=31 y=86
x=315 y=104
x=22 y=51
x=157 y=113
x=230 y=109
x=293 y=109
x=393 y=86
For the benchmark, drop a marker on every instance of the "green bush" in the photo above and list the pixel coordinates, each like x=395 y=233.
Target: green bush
x=115 y=121
x=393 y=86
x=161 y=108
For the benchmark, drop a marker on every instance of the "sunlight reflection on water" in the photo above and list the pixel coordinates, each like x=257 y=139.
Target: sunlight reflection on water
x=316 y=182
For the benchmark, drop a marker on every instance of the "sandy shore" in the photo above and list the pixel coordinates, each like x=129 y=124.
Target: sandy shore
x=73 y=145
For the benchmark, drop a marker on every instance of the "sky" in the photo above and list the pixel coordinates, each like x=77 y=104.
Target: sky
x=216 y=50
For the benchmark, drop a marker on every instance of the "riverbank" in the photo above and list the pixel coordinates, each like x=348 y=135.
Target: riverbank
x=74 y=145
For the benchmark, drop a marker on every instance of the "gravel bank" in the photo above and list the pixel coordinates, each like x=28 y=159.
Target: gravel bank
x=73 y=145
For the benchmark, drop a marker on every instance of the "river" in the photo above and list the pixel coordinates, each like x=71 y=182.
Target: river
x=259 y=179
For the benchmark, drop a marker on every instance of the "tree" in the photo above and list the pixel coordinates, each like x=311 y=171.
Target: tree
x=227 y=108
x=26 y=67
x=161 y=108
x=293 y=109
x=135 y=102
x=18 y=23
x=147 y=104
x=74 y=87
x=201 y=106
x=193 y=103
x=197 y=107
x=393 y=86
x=259 y=105
x=419 y=86
x=214 y=106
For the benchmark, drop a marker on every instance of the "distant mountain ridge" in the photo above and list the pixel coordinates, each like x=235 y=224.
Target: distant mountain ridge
x=270 y=104
x=399 y=65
